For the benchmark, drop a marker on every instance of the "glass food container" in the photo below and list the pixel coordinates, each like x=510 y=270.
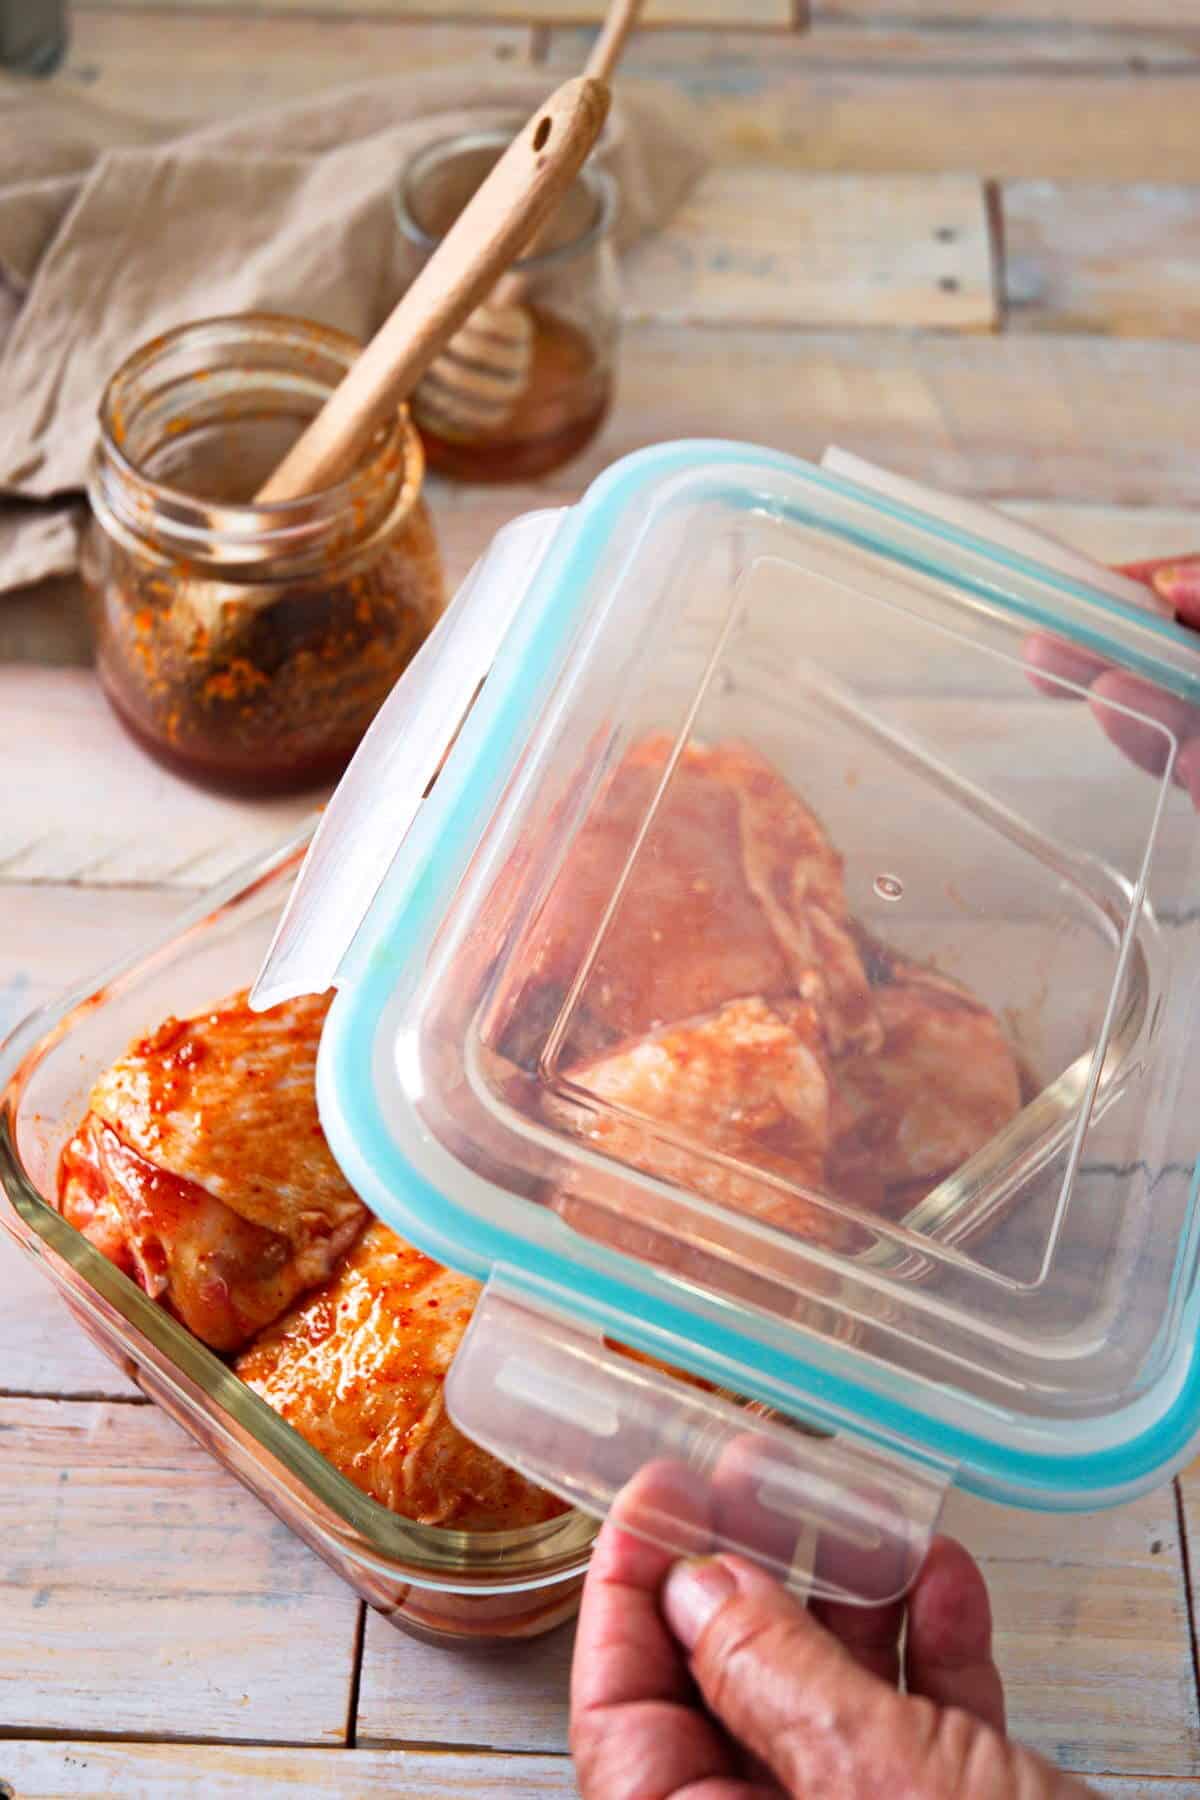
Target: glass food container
x=440 y=1584
x=951 y=1230
x=249 y=647
x=568 y=290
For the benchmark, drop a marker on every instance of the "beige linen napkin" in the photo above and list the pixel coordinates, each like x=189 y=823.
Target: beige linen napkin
x=107 y=240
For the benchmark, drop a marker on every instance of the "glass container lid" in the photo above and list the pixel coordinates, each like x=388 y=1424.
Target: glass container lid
x=790 y=977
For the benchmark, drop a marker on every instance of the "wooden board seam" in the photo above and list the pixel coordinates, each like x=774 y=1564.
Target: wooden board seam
x=1189 y=1592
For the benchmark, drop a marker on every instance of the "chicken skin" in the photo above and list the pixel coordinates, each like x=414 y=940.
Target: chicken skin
x=942 y=1084
x=359 y=1367
x=202 y=1170
x=756 y=1047
x=748 y=1083
x=734 y=891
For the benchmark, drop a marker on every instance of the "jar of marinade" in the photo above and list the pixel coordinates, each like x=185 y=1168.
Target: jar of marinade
x=249 y=647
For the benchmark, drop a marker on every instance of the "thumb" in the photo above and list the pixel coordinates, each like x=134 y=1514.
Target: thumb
x=798 y=1701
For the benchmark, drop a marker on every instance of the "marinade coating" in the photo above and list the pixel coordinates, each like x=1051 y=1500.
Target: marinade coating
x=735 y=890
x=943 y=1083
x=736 y=1105
x=757 y=1047
x=359 y=1369
x=202 y=1169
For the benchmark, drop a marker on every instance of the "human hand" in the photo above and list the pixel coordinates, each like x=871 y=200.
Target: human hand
x=705 y=1680
x=1110 y=692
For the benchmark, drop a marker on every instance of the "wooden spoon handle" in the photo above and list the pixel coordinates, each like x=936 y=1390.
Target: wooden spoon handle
x=519 y=193
x=619 y=21
x=606 y=51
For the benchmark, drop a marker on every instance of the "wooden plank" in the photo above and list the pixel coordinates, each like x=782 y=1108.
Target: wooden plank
x=144 y=1592
x=1141 y=1787
x=877 y=38
x=1037 y=417
x=1008 y=41
x=1091 y=257
x=53 y=937
x=1091 y=1632
x=514 y=1699
x=175 y=65
x=1097 y=1669
x=1091 y=1639
x=1165 y=15
x=99 y=1771
x=768 y=14
x=1188 y=1483
x=91 y=805
x=756 y=245
x=42 y=1350
x=766 y=100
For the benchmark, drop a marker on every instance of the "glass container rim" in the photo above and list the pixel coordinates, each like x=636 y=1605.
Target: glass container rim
x=242 y=524
x=598 y=183
x=371 y=1534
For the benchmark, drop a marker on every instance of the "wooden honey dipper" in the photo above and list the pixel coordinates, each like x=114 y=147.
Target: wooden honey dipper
x=475 y=384
x=518 y=196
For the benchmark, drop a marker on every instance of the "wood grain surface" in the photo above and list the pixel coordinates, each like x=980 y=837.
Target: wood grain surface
x=110 y=1515
x=960 y=239
x=998 y=105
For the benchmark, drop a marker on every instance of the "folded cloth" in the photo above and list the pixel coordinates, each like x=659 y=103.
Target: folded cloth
x=108 y=238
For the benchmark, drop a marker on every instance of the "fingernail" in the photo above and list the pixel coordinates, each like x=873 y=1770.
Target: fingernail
x=692 y=1593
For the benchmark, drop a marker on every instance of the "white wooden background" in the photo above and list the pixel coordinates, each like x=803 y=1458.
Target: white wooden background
x=960 y=238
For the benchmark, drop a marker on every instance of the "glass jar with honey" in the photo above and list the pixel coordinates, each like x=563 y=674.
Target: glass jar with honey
x=565 y=295
x=249 y=647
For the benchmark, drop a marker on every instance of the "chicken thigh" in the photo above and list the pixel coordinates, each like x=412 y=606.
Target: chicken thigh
x=202 y=1169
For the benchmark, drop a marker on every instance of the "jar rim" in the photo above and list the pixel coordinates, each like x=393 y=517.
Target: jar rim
x=247 y=529
x=599 y=184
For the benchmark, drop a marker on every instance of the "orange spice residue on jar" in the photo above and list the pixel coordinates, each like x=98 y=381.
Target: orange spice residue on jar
x=245 y=647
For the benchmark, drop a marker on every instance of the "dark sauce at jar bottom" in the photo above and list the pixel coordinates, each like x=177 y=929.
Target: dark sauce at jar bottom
x=239 y=776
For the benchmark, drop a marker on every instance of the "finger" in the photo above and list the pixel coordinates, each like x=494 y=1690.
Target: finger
x=870 y=1633
x=1189 y=770
x=750 y=1483
x=1176 y=580
x=779 y=1682
x=748 y=1468
x=635 y=1727
x=1141 y=719
x=721 y=1787
x=1051 y=662
x=623 y=1650
x=798 y=1700
x=948 y=1651
x=1180 y=588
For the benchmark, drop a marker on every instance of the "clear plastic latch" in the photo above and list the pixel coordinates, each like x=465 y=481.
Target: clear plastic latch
x=691 y=1470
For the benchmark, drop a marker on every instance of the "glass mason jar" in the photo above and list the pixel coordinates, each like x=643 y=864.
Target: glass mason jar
x=249 y=647
x=568 y=289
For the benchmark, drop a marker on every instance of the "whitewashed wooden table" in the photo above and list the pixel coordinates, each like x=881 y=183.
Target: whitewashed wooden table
x=961 y=239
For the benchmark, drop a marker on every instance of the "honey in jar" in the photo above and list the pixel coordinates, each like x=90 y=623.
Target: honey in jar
x=566 y=285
